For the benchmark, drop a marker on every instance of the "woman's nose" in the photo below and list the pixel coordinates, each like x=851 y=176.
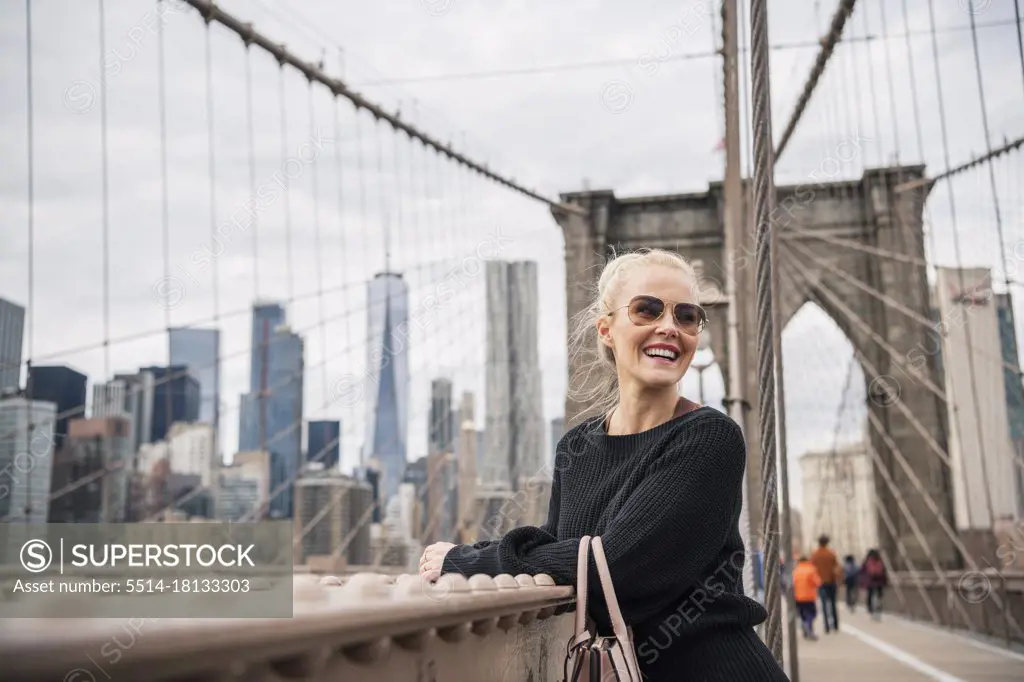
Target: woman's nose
x=667 y=326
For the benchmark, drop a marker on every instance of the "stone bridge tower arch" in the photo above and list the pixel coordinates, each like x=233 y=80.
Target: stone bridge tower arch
x=816 y=223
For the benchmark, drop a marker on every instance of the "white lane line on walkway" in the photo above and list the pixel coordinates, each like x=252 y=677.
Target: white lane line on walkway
x=921 y=627
x=902 y=656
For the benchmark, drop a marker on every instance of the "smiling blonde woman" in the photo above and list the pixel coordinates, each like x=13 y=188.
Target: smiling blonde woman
x=657 y=476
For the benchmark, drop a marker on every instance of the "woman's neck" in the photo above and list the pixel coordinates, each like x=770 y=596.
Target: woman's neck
x=642 y=410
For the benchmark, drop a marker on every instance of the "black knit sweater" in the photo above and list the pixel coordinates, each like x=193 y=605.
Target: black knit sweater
x=666 y=504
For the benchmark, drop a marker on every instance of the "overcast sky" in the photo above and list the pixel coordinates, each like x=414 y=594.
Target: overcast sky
x=580 y=93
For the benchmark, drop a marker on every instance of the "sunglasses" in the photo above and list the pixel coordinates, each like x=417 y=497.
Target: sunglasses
x=646 y=310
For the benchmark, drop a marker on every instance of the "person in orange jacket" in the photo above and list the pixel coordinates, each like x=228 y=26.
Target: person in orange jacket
x=806 y=582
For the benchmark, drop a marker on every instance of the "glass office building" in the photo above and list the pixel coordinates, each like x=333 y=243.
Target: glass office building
x=62 y=386
x=387 y=382
x=199 y=350
x=270 y=417
x=12 y=331
x=323 y=442
x=175 y=398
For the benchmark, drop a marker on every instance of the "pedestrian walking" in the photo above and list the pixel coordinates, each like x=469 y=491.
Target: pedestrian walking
x=806 y=582
x=851 y=575
x=874 y=578
x=830 y=571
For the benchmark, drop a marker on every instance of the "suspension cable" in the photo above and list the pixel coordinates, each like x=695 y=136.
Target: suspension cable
x=105 y=198
x=288 y=182
x=828 y=44
x=165 y=218
x=318 y=245
x=901 y=547
x=764 y=199
x=1020 y=37
x=892 y=302
x=30 y=313
x=251 y=138
x=342 y=223
x=214 y=270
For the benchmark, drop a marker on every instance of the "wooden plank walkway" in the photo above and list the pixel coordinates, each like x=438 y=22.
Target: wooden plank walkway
x=895 y=649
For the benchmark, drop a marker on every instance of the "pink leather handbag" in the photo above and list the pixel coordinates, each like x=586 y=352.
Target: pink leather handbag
x=590 y=658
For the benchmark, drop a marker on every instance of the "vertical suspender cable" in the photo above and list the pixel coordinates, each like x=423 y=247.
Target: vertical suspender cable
x=339 y=183
x=288 y=187
x=165 y=207
x=363 y=250
x=893 y=114
x=398 y=208
x=211 y=162
x=30 y=316
x=764 y=200
x=315 y=181
x=252 y=169
x=215 y=288
x=251 y=134
x=384 y=213
x=106 y=204
x=871 y=84
x=1020 y=37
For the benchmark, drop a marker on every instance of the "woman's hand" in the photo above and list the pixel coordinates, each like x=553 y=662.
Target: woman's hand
x=433 y=559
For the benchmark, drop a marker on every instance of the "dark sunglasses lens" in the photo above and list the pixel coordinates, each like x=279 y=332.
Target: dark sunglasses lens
x=645 y=309
x=689 y=316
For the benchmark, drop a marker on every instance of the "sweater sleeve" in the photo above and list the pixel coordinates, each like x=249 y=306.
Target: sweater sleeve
x=666 y=536
x=481 y=557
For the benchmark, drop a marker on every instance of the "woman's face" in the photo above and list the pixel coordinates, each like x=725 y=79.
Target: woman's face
x=640 y=350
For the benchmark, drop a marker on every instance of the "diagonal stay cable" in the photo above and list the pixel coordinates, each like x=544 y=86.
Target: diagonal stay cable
x=888 y=254
x=892 y=302
x=828 y=44
x=835 y=303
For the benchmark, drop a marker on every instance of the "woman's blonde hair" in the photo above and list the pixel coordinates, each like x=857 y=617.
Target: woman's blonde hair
x=594 y=381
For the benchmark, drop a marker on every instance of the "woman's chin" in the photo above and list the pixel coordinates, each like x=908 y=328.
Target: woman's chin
x=660 y=377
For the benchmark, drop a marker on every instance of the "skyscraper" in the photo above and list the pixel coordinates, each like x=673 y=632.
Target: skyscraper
x=441 y=437
x=62 y=386
x=266 y=317
x=980 y=450
x=271 y=415
x=12 y=330
x=387 y=378
x=27 y=447
x=199 y=350
x=323 y=442
x=1014 y=390
x=93 y=445
x=130 y=396
x=514 y=423
x=175 y=399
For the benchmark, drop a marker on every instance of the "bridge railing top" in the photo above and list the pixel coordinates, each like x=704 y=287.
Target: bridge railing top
x=361 y=616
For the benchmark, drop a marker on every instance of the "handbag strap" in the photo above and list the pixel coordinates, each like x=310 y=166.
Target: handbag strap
x=581 y=587
x=622 y=633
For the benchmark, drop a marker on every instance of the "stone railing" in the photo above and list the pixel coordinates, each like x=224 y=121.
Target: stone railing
x=364 y=627
x=967 y=600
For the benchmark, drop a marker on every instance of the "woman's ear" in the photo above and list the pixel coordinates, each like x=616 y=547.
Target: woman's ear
x=604 y=331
